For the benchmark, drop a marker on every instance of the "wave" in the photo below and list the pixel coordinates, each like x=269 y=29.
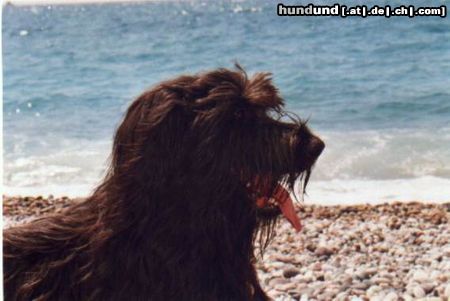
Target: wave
x=384 y=154
x=356 y=166
x=69 y=167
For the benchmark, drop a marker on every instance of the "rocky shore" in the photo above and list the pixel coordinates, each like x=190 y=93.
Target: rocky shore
x=397 y=251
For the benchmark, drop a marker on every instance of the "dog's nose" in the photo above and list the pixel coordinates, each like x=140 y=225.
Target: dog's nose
x=316 y=146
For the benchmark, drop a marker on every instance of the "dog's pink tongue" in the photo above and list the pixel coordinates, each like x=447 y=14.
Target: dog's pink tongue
x=287 y=208
x=285 y=204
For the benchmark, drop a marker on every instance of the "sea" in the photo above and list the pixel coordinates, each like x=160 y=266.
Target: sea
x=376 y=89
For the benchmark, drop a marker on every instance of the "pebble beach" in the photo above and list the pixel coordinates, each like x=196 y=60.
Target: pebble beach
x=396 y=251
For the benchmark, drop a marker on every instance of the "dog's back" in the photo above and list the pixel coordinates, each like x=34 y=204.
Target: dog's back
x=41 y=259
x=55 y=258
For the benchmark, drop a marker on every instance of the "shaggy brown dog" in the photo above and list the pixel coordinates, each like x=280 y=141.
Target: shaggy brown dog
x=196 y=164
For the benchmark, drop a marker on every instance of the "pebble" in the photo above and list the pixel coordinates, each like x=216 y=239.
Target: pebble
x=407 y=297
x=304 y=297
x=366 y=273
x=392 y=296
x=324 y=251
x=380 y=280
x=275 y=282
x=359 y=252
x=360 y=285
x=447 y=291
x=420 y=276
x=418 y=292
x=317 y=266
x=291 y=272
x=373 y=290
x=428 y=287
x=341 y=296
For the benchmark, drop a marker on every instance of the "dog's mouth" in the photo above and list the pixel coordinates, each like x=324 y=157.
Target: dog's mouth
x=272 y=192
x=271 y=202
x=281 y=201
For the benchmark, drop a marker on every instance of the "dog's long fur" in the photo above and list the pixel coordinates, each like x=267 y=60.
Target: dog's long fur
x=175 y=218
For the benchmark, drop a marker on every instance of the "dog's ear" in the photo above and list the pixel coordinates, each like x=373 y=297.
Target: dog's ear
x=153 y=123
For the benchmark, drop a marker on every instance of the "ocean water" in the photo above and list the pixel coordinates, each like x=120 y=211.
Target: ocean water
x=376 y=89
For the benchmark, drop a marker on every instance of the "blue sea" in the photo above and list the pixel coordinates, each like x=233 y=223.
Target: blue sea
x=376 y=89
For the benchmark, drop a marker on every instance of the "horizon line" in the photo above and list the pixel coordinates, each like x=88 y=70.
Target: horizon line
x=74 y=2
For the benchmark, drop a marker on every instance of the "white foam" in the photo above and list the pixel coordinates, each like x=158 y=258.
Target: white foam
x=356 y=167
x=71 y=191
x=335 y=192
x=73 y=170
x=340 y=191
x=381 y=155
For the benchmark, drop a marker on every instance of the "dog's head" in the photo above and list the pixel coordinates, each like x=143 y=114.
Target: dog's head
x=219 y=131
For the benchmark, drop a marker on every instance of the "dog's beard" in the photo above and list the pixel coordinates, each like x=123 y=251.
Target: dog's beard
x=269 y=212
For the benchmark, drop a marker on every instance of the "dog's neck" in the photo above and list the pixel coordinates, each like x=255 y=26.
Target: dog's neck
x=217 y=235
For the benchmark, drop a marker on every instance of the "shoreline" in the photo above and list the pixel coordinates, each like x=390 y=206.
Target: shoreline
x=396 y=251
x=425 y=189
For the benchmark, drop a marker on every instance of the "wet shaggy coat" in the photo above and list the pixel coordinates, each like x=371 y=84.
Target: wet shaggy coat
x=175 y=217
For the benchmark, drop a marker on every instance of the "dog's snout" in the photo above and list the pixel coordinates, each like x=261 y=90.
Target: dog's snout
x=316 y=146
